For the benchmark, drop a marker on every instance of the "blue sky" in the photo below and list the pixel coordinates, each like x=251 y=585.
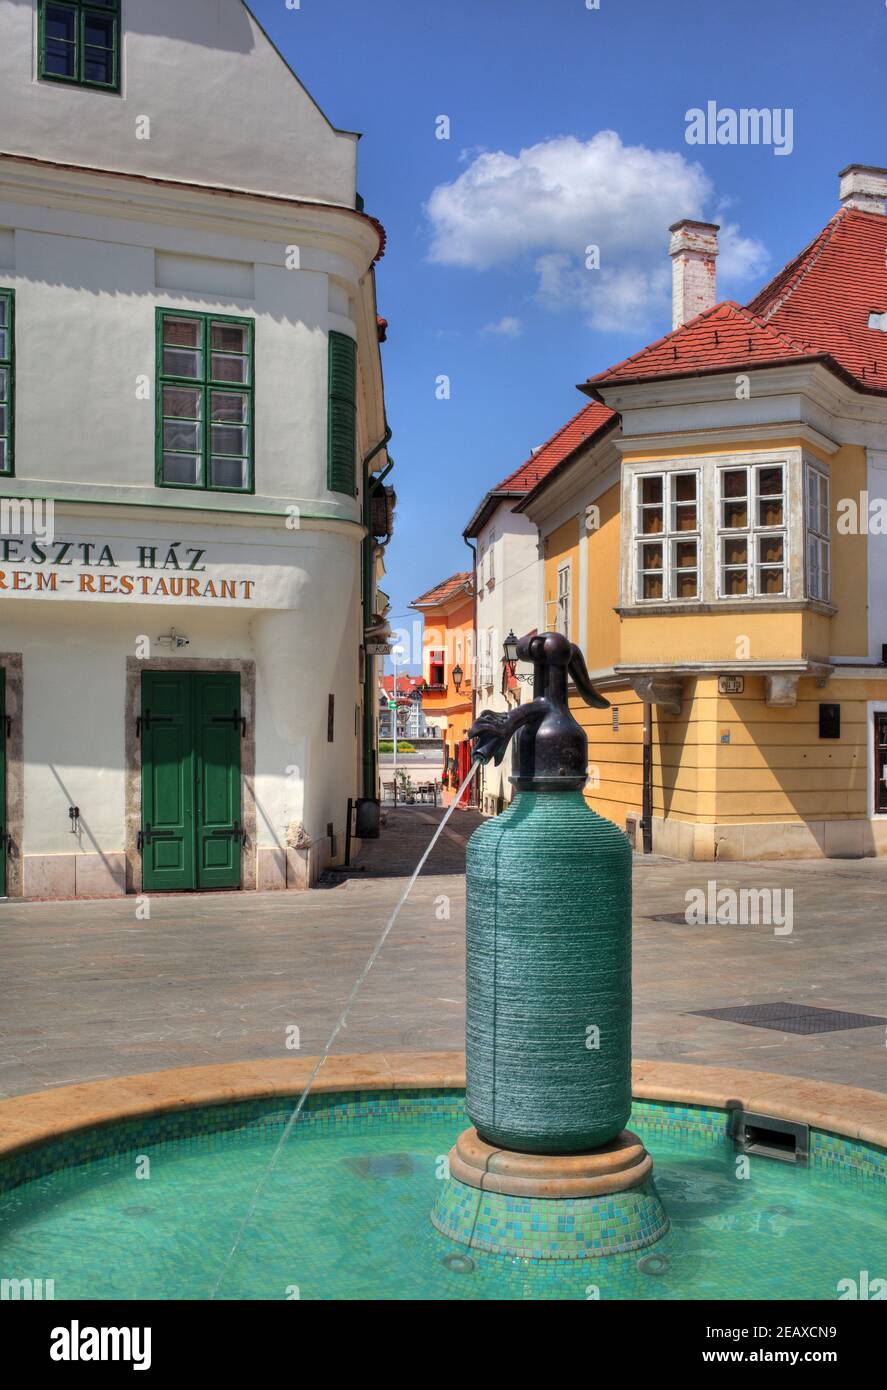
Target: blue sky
x=484 y=280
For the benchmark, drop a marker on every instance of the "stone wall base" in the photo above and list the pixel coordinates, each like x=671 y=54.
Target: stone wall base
x=59 y=876
x=825 y=839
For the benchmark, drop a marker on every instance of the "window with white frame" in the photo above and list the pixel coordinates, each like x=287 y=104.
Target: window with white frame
x=819 y=575
x=485 y=656
x=436 y=666
x=564 y=599
x=491 y=552
x=752 y=531
x=667 y=536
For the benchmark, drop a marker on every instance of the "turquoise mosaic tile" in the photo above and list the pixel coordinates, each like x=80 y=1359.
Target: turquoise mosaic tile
x=537 y=1228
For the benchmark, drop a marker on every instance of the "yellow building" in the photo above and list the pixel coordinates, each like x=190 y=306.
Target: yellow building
x=718 y=547
x=448 y=669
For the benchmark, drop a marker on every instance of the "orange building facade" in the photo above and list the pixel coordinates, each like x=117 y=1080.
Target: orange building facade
x=448 y=665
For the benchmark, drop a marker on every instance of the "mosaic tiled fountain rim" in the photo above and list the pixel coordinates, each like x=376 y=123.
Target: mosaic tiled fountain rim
x=366 y=1111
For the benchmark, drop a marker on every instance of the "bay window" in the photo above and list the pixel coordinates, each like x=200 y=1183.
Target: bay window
x=752 y=531
x=818 y=535
x=667 y=536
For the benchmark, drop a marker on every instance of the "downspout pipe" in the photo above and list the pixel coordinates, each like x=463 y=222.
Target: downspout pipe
x=369 y=675
x=475 y=792
x=647 y=811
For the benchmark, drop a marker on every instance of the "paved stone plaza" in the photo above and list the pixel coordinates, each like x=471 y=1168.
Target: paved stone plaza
x=90 y=991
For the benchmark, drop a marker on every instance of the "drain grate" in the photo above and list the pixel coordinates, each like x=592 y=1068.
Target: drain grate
x=791 y=1018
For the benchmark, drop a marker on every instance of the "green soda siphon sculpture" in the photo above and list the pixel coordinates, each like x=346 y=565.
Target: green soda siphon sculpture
x=548 y=1032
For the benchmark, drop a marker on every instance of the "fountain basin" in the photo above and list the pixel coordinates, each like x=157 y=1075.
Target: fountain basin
x=345 y=1214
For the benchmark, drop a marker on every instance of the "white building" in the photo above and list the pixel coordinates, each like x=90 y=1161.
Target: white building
x=192 y=419
x=510 y=569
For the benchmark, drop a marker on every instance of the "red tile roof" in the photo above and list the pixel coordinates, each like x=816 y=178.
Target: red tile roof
x=443 y=591
x=722 y=337
x=405 y=684
x=586 y=423
x=818 y=306
x=592 y=420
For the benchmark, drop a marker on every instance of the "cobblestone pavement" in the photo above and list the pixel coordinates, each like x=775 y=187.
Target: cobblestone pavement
x=87 y=990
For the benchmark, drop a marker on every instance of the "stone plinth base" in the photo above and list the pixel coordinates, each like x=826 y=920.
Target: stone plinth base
x=541 y=1207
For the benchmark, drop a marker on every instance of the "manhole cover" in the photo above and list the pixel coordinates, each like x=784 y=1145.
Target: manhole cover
x=792 y=1018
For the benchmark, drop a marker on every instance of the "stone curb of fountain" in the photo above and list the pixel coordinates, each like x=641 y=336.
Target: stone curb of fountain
x=31 y=1120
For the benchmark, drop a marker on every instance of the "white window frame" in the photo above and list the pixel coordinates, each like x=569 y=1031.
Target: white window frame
x=491 y=551
x=563 y=603
x=485 y=657
x=668 y=538
x=817 y=517
x=753 y=532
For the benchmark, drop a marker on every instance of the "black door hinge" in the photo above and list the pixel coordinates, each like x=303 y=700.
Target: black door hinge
x=147 y=835
x=236 y=832
x=148 y=720
x=233 y=719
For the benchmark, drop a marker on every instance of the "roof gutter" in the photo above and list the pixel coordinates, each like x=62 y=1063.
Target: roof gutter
x=825 y=358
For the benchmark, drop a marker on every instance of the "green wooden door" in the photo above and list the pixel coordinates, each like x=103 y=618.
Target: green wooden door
x=3 y=826
x=217 y=734
x=167 y=781
x=190 y=733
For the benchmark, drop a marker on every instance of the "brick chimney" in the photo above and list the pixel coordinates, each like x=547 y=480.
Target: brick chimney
x=693 y=251
x=863 y=187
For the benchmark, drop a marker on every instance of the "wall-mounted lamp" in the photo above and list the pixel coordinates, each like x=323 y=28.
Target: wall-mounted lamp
x=458 y=673
x=510 y=659
x=174 y=639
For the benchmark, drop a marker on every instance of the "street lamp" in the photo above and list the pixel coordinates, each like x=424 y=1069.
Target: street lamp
x=397 y=654
x=457 y=677
x=510 y=648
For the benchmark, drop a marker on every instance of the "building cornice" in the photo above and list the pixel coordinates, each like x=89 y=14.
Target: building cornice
x=787 y=398
x=140 y=197
x=714 y=437
x=115 y=509
x=821 y=669
x=726 y=605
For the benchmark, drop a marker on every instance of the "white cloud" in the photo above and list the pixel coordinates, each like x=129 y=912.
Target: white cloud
x=507 y=327
x=549 y=203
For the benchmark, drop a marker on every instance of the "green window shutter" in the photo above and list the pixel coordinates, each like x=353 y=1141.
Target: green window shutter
x=7 y=381
x=341 y=467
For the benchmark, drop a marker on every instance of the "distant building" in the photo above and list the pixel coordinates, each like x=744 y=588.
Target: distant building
x=411 y=721
x=508 y=585
x=449 y=667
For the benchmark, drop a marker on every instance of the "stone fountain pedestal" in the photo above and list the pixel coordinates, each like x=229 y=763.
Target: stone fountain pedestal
x=551 y=1207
